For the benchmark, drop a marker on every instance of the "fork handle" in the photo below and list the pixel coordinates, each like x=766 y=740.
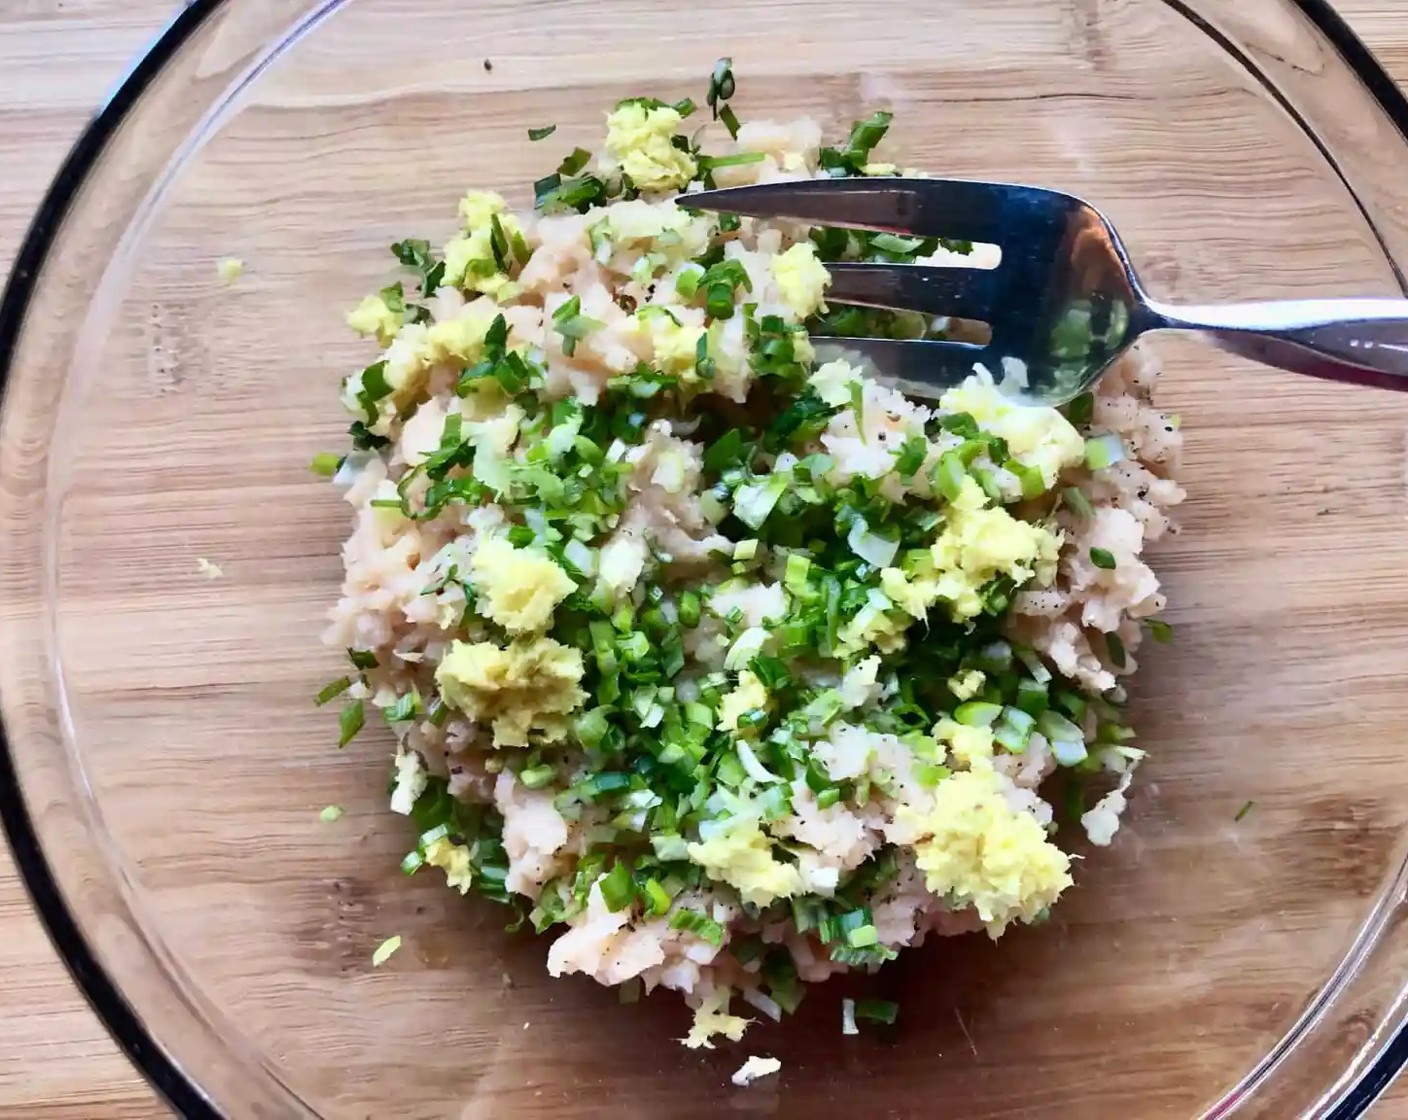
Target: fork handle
x=1361 y=341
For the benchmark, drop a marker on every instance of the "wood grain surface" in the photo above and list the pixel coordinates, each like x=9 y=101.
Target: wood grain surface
x=58 y=58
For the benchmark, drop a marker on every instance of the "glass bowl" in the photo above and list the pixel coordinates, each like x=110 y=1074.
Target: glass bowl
x=165 y=766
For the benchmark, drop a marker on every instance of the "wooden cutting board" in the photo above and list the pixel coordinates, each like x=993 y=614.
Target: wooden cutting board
x=58 y=58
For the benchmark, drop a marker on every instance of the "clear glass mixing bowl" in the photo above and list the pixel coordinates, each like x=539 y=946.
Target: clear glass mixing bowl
x=165 y=766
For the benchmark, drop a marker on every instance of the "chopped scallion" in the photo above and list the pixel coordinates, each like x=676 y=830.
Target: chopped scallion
x=406 y=708
x=692 y=921
x=862 y=937
x=795 y=574
x=1014 y=730
x=536 y=777
x=1159 y=630
x=1118 y=657
x=657 y=899
x=1077 y=502
x=949 y=474
x=569 y=322
x=629 y=991
x=877 y=1010
x=893 y=243
x=1103 y=451
x=1032 y=481
x=577 y=159
x=911 y=456
x=875 y=550
x=753 y=502
x=669 y=846
x=721 y=87
x=975 y=713
x=930 y=774
x=1032 y=697
x=350 y=722
x=325 y=463
x=828 y=797
x=385 y=950
x=738 y=159
x=617 y=889
x=1103 y=558
x=332 y=690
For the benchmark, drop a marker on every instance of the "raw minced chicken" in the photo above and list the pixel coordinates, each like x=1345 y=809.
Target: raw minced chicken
x=727 y=670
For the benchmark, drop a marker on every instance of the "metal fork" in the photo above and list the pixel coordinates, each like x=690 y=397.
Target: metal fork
x=1064 y=301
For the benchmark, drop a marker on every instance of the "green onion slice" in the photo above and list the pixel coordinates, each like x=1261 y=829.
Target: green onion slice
x=332 y=690
x=1103 y=558
x=325 y=463
x=353 y=717
x=877 y=1010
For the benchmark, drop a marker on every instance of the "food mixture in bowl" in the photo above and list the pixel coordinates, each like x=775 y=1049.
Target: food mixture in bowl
x=725 y=668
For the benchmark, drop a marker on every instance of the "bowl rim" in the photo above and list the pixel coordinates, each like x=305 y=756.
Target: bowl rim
x=180 y=1090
